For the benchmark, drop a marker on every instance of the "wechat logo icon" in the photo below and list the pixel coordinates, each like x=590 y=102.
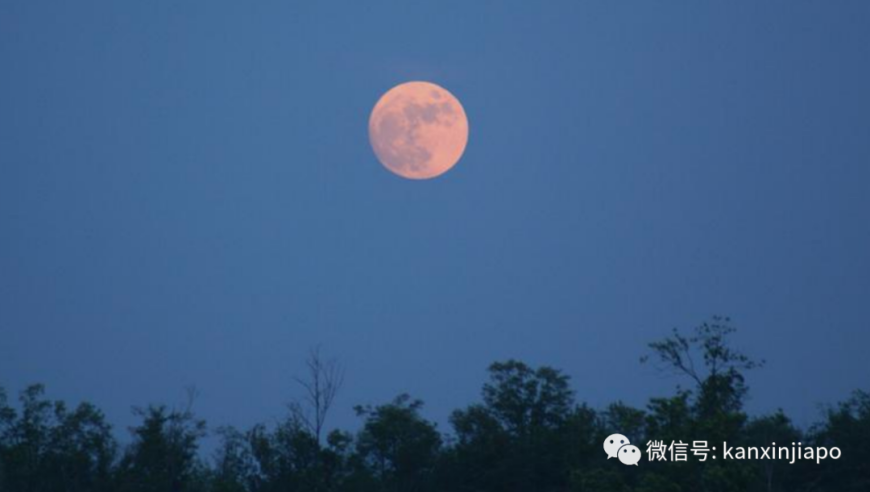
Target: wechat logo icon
x=618 y=446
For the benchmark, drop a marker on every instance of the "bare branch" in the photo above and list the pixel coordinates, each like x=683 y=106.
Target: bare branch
x=323 y=381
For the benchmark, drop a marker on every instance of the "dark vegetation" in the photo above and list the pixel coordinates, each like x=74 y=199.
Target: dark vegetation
x=528 y=434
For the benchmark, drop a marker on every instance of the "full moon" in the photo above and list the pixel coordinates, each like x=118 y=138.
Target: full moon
x=418 y=130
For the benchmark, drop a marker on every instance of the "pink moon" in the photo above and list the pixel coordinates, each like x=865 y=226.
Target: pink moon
x=418 y=130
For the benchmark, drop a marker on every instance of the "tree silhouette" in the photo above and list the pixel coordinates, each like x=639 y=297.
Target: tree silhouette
x=323 y=381
x=528 y=433
x=163 y=455
x=399 y=446
x=47 y=447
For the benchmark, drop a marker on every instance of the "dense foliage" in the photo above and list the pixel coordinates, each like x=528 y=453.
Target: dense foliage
x=528 y=434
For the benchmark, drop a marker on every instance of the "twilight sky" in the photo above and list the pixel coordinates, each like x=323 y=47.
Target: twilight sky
x=188 y=196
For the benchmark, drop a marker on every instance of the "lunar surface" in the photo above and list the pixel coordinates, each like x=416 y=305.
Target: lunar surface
x=418 y=130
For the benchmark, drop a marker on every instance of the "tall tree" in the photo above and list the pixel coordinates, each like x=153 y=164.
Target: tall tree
x=50 y=448
x=712 y=410
x=287 y=457
x=235 y=469
x=398 y=445
x=847 y=427
x=516 y=439
x=710 y=362
x=163 y=455
x=773 y=475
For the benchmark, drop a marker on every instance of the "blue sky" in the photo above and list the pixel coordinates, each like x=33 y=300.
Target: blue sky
x=188 y=196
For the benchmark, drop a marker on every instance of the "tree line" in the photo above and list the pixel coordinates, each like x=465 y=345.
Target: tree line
x=529 y=433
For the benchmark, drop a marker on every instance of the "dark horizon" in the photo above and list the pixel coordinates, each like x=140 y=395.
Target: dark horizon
x=528 y=432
